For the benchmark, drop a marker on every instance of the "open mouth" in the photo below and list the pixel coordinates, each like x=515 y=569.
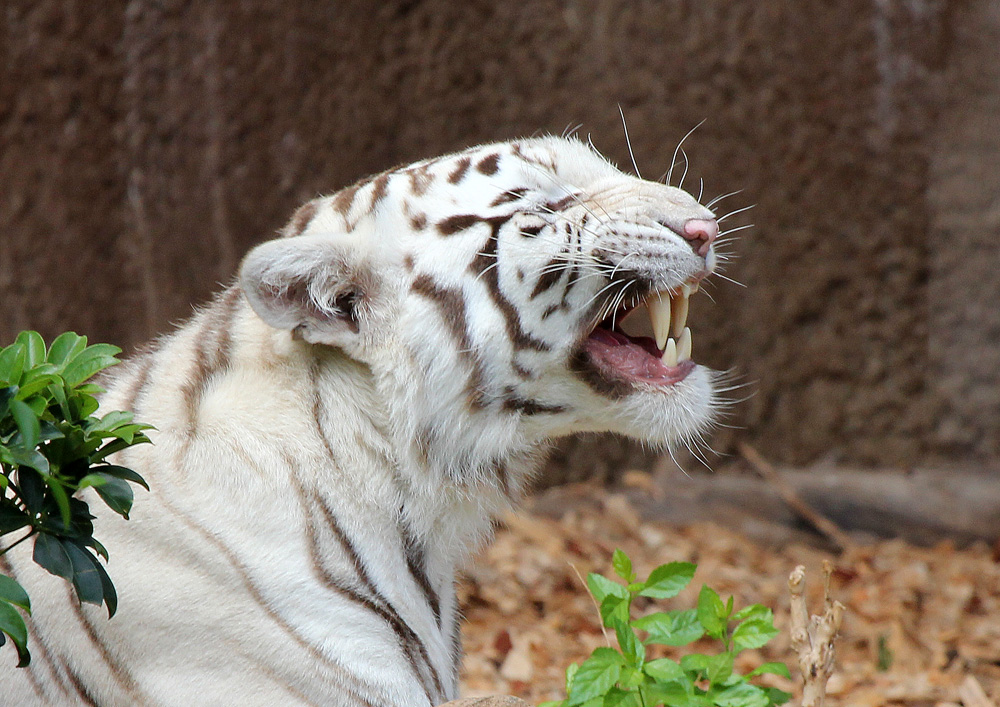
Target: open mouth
x=646 y=342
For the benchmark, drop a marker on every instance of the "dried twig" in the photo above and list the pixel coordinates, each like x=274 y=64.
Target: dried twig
x=813 y=637
x=791 y=498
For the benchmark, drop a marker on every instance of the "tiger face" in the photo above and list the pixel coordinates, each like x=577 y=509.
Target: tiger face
x=502 y=297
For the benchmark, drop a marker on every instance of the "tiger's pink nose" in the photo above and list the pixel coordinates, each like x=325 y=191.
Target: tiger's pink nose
x=700 y=233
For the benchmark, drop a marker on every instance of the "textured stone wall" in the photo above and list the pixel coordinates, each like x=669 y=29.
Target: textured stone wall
x=144 y=146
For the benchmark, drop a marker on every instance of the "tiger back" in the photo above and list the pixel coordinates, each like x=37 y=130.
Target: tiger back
x=337 y=430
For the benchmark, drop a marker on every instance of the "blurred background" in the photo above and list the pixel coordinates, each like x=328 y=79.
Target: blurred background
x=146 y=145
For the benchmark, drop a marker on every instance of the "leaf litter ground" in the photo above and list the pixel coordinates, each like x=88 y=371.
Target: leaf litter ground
x=922 y=626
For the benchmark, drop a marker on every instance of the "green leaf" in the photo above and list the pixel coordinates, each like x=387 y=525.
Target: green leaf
x=38 y=381
x=742 y=694
x=12 y=624
x=107 y=588
x=61 y=498
x=712 y=613
x=754 y=611
x=772 y=669
x=631 y=646
x=34 y=347
x=86 y=578
x=25 y=459
x=665 y=670
x=27 y=423
x=753 y=633
x=622 y=565
x=776 y=696
x=11 y=517
x=31 y=487
x=50 y=554
x=667 y=581
x=695 y=664
x=596 y=676
x=672 y=628
x=12 y=364
x=719 y=667
x=88 y=362
x=116 y=493
x=601 y=587
x=621 y=698
x=614 y=609
x=6 y=395
x=13 y=593
x=121 y=472
x=65 y=347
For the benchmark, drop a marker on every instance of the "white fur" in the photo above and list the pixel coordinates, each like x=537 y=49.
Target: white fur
x=223 y=598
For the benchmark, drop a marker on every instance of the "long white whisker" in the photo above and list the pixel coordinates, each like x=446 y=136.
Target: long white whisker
x=629 y=142
x=719 y=198
x=733 y=213
x=673 y=159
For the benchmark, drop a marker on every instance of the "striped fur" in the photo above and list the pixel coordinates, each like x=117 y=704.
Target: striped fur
x=336 y=431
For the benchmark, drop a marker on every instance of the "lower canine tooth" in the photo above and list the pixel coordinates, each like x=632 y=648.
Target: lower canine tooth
x=684 y=346
x=670 y=354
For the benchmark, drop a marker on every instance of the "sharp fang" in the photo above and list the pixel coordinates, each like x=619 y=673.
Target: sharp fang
x=670 y=354
x=684 y=346
x=658 y=305
x=679 y=311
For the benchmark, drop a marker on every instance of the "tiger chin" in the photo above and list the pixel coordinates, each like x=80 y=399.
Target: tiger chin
x=336 y=430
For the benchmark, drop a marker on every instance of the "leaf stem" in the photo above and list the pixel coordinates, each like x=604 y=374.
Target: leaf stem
x=18 y=542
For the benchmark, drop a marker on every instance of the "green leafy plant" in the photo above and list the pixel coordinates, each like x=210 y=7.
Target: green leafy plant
x=51 y=448
x=624 y=677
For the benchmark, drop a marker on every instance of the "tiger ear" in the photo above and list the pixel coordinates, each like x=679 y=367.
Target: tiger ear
x=307 y=285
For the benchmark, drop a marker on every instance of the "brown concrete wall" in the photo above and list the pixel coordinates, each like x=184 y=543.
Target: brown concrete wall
x=144 y=146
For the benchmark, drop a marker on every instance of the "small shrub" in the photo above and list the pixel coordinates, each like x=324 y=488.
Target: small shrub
x=52 y=447
x=625 y=678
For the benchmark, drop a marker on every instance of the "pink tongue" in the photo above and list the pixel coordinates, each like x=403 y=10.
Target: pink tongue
x=621 y=357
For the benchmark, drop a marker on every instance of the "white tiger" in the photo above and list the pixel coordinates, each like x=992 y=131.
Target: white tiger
x=335 y=432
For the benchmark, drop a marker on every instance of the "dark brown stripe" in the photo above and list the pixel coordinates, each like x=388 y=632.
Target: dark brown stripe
x=551 y=274
x=451 y=307
x=80 y=688
x=561 y=204
x=456 y=645
x=418 y=221
x=415 y=562
x=133 y=394
x=376 y=603
x=530 y=407
x=550 y=310
x=212 y=350
x=420 y=179
x=531 y=231
x=301 y=218
x=461 y=168
x=509 y=196
x=482 y=265
x=379 y=188
x=118 y=671
x=37 y=646
x=349 y=682
x=585 y=370
x=344 y=199
x=454 y=224
x=489 y=164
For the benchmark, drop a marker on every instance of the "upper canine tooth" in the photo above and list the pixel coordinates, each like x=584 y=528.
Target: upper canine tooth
x=679 y=311
x=659 y=305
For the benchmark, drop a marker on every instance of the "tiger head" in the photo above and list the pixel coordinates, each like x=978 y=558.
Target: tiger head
x=501 y=297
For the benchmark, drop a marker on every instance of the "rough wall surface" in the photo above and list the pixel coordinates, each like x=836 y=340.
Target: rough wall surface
x=147 y=145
